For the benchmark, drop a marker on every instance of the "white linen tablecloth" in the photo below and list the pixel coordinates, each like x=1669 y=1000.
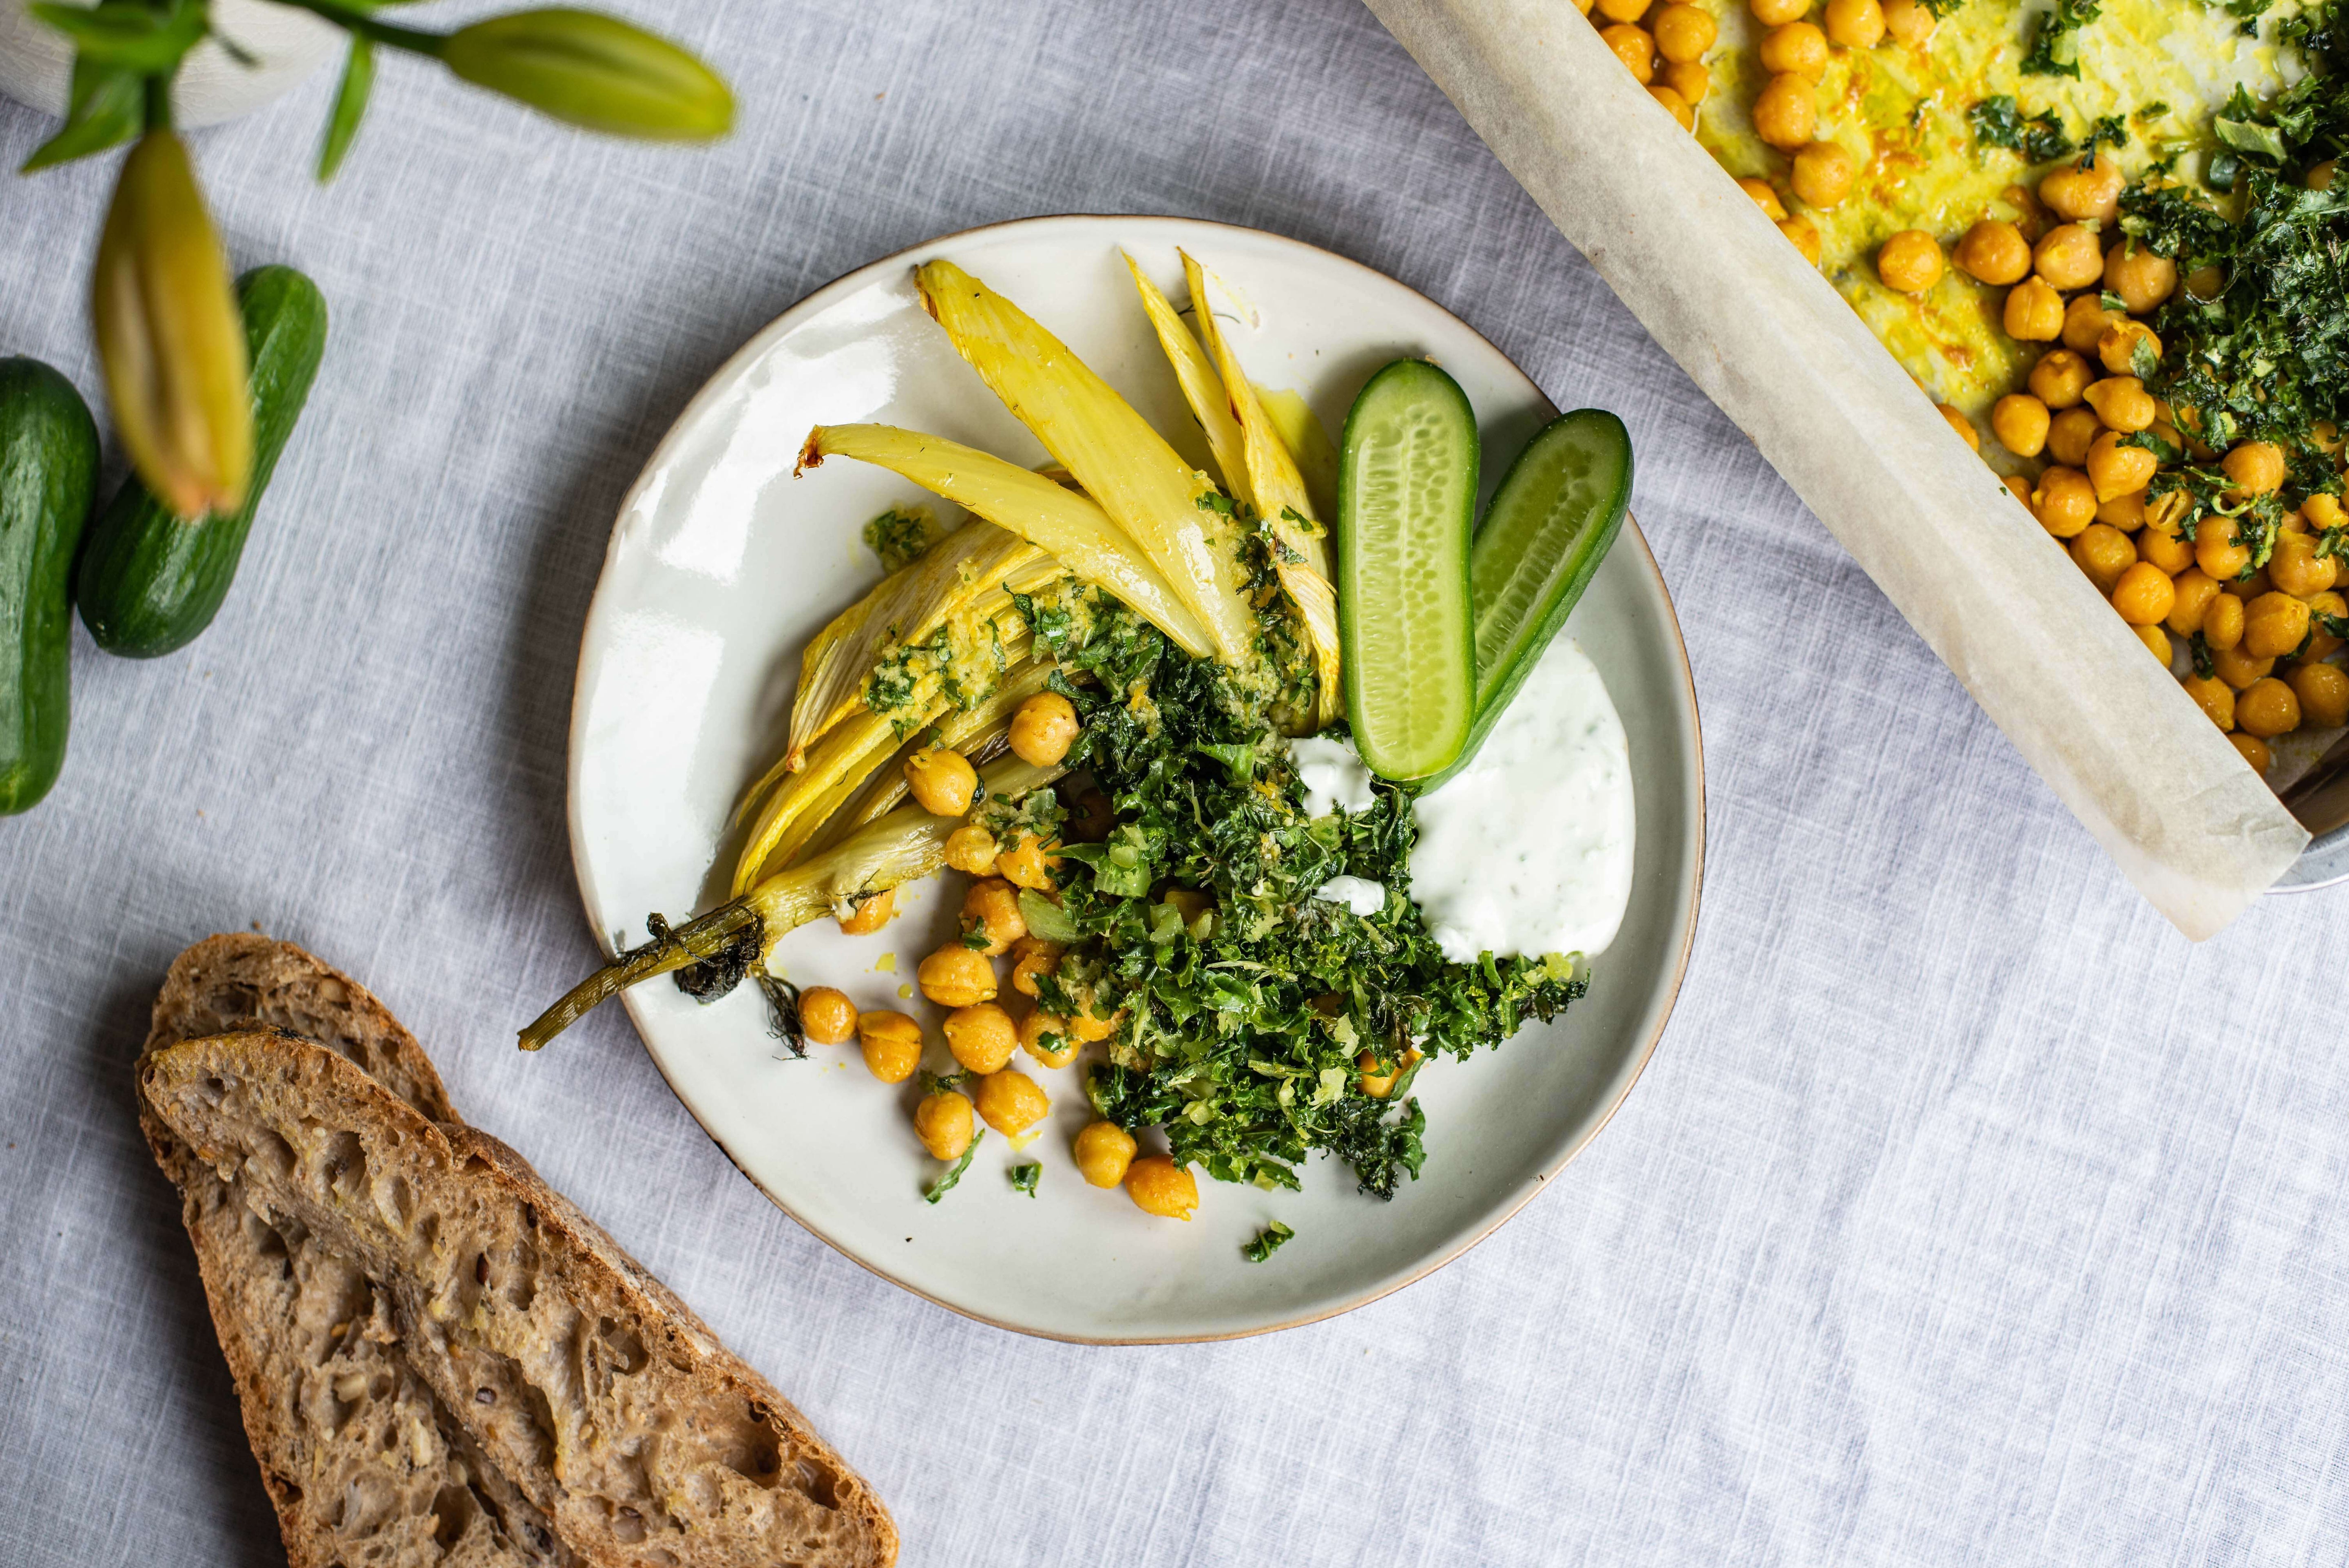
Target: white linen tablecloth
x=1966 y=1213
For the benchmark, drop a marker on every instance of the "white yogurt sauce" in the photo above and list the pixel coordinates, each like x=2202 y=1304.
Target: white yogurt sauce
x=1333 y=775
x=1527 y=850
x=1361 y=894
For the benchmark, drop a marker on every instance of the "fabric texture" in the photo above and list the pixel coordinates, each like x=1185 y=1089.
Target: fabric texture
x=1966 y=1212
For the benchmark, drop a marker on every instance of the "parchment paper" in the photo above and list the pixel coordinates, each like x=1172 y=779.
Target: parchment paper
x=2107 y=726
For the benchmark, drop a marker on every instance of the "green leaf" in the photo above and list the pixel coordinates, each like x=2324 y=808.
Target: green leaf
x=148 y=40
x=2250 y=136
x=350 y=106
x=593 y=71
x=945 y=1183
x=1025 y=1177
x=1045 y=919
x=1268 y=1241
x=108 y=109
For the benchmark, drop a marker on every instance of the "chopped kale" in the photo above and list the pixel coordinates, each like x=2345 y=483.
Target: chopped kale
x=1268 y=1241
x=1024 y=1177
x=1998 y=122
x=2054 y=49
x=2107 y=132
x=900 y=534
x=953 y=1173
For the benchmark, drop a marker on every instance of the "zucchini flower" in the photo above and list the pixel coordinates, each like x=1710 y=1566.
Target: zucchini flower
x=595 y=71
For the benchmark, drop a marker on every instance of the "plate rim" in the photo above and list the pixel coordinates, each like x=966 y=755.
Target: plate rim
x=857 y=277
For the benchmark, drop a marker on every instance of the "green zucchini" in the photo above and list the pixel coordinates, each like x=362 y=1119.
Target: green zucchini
x=48 y=474
x=150 y=582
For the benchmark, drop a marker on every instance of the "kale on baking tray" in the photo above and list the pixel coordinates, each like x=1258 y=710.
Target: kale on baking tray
x=2054 y=49
x=1241 y=1002
x=1998 y=122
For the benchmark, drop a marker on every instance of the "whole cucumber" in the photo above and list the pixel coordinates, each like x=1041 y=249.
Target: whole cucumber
x=48 y=473
x=150 y=582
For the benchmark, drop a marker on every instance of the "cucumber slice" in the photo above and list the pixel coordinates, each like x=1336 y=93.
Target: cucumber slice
x=1407 y=505
x=1551 y=522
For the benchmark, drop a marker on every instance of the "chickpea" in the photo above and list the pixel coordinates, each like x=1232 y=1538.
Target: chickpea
x=1378 y=1080
x=2117 y=470
x=2215 y=696
x=2126 y=512
x=2018 y=486
x=2267 y=708
x=1796 y=48
x=2255 y=751
x=1909 y=262
x=1784 y=112
x=2164 y=546
x=1623 y=10
x=2156 y=641
x=1009 y=1102
x=2067 y=257
x=2323 y=512
x=991 y=910
x=1765 y=198
x=1673 y=105
x=1959 y=422
x=1777 y=13
x=2322 y=644
x=2064 y=501
x=1690 y=79
x=2019 y=420
x=2143 y=596
x=955 y=976
x=2246 y=589
x=1992 y=251
x=1028 y=863
x=2256 y=466
x=944 y=780
x=2104 y=553
x=2142 y=279
x=1583 y=6
x=2077 y=193
x=2061 y=378
x=2297 y=571
x=1683 y=32
x=2207 y=283
x=2218 y=552
x=1048 y=1038
x=2117 y=347
x=2122 y=403
x=2238 y=668
x=2222 y=624
x=2030 y=216
x=892 y=1043
x=2320 y=177
x=2070 y=434
x=1103 y=1150
x=2323 y=693
x=827 y=1017
x=871 y=912
x=2035 y=311
x=943 y=1122
x=1908 y=22
x=1803 y=235
x=2086 y=321
x=1159 y=1186
x=2275 y=625
x=1856 y=24
x=971 y=848
x=1823 y=173
x=1634 y=47
x=1032 y=958
x=1044 y=728
x=981 y=1037
x=2195 y=590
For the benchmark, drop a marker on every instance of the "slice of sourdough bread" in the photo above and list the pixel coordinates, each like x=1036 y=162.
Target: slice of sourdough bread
x=441 y=1360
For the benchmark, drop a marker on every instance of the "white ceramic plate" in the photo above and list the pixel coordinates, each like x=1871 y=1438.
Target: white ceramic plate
x=722 y=566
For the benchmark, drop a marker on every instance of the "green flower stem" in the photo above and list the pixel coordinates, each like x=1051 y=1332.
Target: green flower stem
x=413 y=40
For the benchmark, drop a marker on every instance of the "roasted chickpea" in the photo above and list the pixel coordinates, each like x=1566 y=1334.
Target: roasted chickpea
x=2070 y=434
x=2267 y=708
x=2019 y=422
x=2122 y=403
x=2215 y=696
x=2104 y=553
x=1623 y=10
x=1103 y=1150
x=2323 y=512
x=2086 y=321
x=2060 y=378
x=943 y=1122
x=2207 y=283
x=1992 y=251
x=955 y=976
x=1856 y=24
x=1777 y=13
x=2126 y=512
x=2117 y=349
x=1159 y=1186
x=2323 y=693
x=971 y=848
x=1673 y=105
x=2077 y=193
x=2018 y=486
x=2033 y=312
x=943 y=780
x=1583 y=6
x=2236 y=667
x=1796 y=48
x=2255 y=751
x=2161 y=542
x=2222 y=624
x=2256 y=466
x=892 y=1043
x=2143 y=596
x=1822 y=173
x=1048 y=1038
x=1044 y=728
x=2064 y=502
x=1683 y=32
x=991 y=910
x=1957 y=421
x=1634 y=47
x=1009 y=1102
x=2274 y=625
x=1087 y=1024
x=2030 y=216
x=1689 y=78
x=827 y=1017
x=1908 y=22
x=2195 y=590
x=1032 y=958
x=2067 y=257
x=2249 y=588
x=2117 y=471
x=2218 y=552
x=1785 y=112
x=2142 y=279
x=2320 y=177
x=981 y=1037
x=1378 y=1078
x=2156 y=641
x=1909 y=262
x=1028 y=863
x=1765 y=198
x=1803 y=235
x=2296 y=569
x=2322 y=644
x=871 y=913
